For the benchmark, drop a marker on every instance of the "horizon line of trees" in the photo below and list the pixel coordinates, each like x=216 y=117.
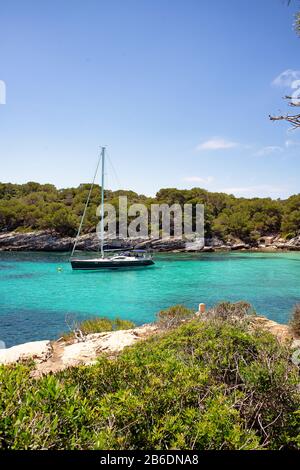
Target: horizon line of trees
x=34 y=206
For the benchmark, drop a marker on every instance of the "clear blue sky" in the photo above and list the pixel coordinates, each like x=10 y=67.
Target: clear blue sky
x=178 y=90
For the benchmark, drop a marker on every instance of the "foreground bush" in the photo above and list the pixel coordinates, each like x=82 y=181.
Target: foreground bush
x=174 y=315
x=208 y=384
x=231 y=310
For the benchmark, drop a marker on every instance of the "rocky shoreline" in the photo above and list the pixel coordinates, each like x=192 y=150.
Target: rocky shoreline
x=54 y=356
x=51 y=241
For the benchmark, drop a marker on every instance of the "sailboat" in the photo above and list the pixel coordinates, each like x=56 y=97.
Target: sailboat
x=128 y=259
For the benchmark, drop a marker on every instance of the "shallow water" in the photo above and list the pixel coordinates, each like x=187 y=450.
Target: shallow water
x=35 y=297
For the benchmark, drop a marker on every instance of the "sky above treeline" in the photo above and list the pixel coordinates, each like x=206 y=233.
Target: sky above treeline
x=179 y=91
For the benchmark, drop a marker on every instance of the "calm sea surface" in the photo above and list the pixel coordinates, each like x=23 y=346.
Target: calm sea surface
x=35 y=297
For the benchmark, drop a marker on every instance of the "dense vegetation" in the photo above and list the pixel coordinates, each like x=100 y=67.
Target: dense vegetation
x=33 y=206
x=210 y=383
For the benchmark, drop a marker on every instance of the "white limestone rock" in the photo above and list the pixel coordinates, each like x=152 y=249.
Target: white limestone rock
x=39 y=351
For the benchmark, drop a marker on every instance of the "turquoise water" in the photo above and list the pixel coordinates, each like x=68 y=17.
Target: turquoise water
x=35 y=298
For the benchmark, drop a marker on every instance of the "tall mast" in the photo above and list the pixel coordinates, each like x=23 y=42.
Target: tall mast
x=102 y=202
x=85 y=207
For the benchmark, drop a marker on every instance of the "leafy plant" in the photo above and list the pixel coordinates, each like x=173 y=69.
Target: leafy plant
x=97 y=325
x=174 y=315
x=231 y=310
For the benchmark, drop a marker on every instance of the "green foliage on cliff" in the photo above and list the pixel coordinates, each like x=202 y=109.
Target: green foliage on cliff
x=174 y=315
x=41 y=206
x=207 y=384
x=97 y=325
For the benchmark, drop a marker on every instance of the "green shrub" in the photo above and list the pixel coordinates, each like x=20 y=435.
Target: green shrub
x=98 y=325
x=207 y=384
x=295 y=320
x=231 y=310
x=173 y=316
x=288 y=236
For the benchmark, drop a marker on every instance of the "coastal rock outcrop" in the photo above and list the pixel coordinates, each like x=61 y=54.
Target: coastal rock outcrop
x=39 y=351
x=51 y=241
x=111 y=342
x=161 y=244
x=294 y=243
x=282 y=332
x=51 y=357
x=58 y=355
x=86 y=352
x=240 y=246
x=214 y=242
x=34 y=241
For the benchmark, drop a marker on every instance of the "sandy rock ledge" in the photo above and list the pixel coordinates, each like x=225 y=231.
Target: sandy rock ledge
x=39 y=351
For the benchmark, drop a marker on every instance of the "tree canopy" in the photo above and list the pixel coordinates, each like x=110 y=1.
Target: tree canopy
x=34 y=206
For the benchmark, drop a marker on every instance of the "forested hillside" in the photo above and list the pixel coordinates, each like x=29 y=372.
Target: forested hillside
x=34 y=206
